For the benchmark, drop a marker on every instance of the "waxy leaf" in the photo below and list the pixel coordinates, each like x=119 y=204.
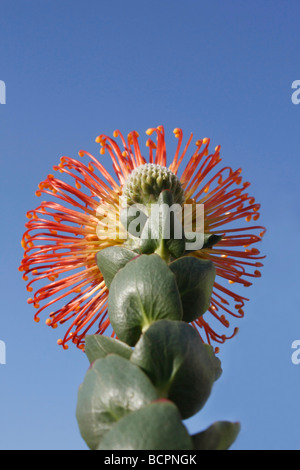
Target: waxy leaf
x=157 y=426
x=210 y=239
x=111 y=259
x=198 y=241
x=195 y=279
x=163 y=231
x=113 y=387
x=98 y=347
x=150 y=237
x=141 y=293
x=178 y=364
x=219 y=436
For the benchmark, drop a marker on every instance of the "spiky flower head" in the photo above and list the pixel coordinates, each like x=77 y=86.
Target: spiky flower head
x=62 y=235
x=146 y=182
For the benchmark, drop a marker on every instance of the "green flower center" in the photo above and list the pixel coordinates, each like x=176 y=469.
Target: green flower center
x=146 y=182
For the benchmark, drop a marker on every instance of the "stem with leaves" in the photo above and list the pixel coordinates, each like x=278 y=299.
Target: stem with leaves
x=141 y=386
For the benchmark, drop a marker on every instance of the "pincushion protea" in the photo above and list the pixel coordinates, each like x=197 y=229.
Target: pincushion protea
x=64 y=232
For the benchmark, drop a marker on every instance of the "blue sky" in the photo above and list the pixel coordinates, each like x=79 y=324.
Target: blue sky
x=75 y=69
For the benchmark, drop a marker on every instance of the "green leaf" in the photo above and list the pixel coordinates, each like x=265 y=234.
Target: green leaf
x=210 y=239
x=219 y=436
x=163 y=231
x=150 y=237
x=98 y=347
x=112 y=388
x=110 y=260
x=178 y=364
x=176 y=247
x=215 y=361
x=195 y=279
x=141 y=293
x=206 y=240
x=155 y=427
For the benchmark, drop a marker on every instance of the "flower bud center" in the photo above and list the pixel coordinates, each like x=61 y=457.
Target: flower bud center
x=146 y=182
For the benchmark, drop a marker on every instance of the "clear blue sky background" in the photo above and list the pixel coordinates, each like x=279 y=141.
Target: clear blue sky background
x=222 y=69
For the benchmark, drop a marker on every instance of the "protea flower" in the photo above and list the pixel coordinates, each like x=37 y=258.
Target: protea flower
x=65 y=232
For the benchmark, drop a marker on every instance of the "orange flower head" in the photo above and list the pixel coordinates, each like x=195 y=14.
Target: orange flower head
x=64 y=233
